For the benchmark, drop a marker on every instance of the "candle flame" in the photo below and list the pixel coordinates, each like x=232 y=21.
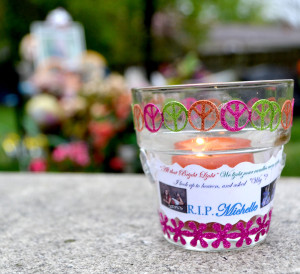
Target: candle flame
x=200 y=141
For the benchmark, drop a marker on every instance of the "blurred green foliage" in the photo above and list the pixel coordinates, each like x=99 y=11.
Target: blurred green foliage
x=7 y=126
x=292 y=151
x=117 y=28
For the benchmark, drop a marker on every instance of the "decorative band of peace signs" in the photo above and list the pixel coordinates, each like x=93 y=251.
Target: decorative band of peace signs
x=204 y=115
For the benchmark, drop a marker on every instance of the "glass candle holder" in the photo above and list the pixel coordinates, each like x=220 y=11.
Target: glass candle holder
x=213 y=153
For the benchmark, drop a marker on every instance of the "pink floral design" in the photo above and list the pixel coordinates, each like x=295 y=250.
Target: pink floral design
x=199 y=235
x=222 y=235
x=164 y=224
x=245 y=232
x=178 y=232
x=264 y=226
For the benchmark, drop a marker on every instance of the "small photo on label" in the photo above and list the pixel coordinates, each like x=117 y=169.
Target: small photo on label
x=267 y=194
x=173 y=197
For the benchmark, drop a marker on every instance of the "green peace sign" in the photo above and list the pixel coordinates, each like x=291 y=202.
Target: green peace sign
x=277 y=110
x=260 y=108
x=171 y=113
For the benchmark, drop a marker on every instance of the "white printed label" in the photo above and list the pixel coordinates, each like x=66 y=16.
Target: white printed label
x=223 y=195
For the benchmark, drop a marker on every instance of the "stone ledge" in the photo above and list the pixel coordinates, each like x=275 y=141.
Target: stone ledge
x=67 y=223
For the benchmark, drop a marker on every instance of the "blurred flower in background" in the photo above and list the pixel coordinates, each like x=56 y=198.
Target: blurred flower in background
x=75 y=152
x=77 y=114
x=82 y=110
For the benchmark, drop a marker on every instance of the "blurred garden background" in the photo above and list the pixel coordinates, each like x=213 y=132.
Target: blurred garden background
x=67 y=66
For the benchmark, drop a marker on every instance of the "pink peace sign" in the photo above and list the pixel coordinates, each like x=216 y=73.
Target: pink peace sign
x=152 y=113
x=236 y=113
x=250 y=103
x=293 y=103
x=187 y=102
x=216 y=101
x=203 y=114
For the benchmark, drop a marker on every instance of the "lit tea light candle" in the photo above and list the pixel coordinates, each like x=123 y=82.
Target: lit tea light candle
x=208 y=144
x=212 y=161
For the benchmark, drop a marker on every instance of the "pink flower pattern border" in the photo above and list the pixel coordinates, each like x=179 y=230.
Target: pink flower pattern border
x=220 y=236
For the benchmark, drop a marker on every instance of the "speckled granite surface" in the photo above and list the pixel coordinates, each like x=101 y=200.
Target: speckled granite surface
x=107 y=224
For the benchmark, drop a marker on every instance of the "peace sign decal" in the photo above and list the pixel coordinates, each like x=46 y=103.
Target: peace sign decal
x=262 y=108
x=251 y=102
x=172 y=112
x=203 y=114
x=187 y=102
x=138 y=118
x=152 y=114
x=277 y=111
x=237 y=113
x=287 y=110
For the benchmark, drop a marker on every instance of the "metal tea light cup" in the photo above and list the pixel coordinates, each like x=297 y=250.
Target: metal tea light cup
x=213 y=153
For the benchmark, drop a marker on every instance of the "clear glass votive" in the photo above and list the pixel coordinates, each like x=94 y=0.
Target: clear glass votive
x=213 y=153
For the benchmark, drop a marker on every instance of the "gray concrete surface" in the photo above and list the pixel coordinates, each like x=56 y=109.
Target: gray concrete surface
x=107 y=224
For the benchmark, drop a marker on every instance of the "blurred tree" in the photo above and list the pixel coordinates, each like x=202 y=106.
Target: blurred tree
x=16 y=17
x=179 y=26
x=243 y=11
x=176 y=28
x=119 y=29
x=114 y=28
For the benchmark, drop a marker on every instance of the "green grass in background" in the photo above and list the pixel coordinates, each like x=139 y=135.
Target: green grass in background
x=292 y=150
x=7 y=125
x=7 y=121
